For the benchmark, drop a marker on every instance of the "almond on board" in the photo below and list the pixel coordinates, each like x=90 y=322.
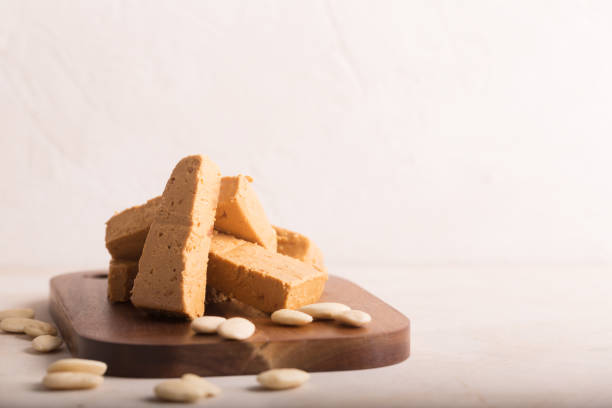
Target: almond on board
x=207 y=324
x=290 y=317
x=236 y=328
x=324 y=310
x=354 y=318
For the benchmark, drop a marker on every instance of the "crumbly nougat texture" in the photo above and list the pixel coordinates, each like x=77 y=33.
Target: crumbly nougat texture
x=262 y=278
x=241 y=214
x=172 y=269
x=300 y=247
x=126 y=231
x=121 y=275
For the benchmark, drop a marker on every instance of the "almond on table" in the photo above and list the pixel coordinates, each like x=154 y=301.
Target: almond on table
x=17 y=324
x=46 y=343
x=188 y=388
x=78 y=365
x=67 y=380
x=282 y=378
x=23 y=312
x=37 y=328
x=177 y=390
x=209 y=389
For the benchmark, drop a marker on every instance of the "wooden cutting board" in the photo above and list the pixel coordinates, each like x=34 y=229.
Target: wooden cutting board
x=134 y=344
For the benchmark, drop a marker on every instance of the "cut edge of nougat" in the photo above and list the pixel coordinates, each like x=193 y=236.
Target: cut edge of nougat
x=121 y=275
x=261 y=278
x=127 y=230
x=240 y=212
x=299 y=246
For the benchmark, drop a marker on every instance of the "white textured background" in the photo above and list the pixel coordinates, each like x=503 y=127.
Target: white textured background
x=391 y=132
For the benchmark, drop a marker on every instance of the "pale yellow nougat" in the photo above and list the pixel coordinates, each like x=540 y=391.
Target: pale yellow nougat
x=239 y=213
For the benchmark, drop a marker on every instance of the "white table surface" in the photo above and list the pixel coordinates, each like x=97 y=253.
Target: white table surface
x=491 y=337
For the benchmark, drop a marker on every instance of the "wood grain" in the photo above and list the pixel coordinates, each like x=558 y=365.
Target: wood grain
x=134 y=344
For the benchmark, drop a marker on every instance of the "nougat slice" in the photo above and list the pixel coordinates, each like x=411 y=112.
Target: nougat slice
x=300 y=247
x=126 y=231
x=121 y=275
x=261 y=278
x=172 y=269
x=241 y=214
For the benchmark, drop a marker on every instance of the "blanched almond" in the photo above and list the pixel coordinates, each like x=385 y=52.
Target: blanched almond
x=14 y=324
x=37 y=328
x=324 y=310
x=355 y=318
x=207 y=324
x=46 y=343
x=178 y=390
x=78 y=365
x=290 y=317
x=23 y=312
x=209 y=389
x=236 y=328
x=71 y=380
x=283 y=378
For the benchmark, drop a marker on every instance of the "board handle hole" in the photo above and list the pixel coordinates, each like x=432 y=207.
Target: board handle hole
x=99 y=276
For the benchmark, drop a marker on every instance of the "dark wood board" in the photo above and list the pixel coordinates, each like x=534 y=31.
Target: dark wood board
x=134 y=344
